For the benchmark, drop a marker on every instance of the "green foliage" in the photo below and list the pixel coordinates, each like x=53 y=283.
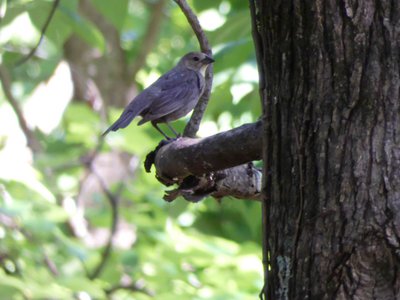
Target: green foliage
x=178 y=250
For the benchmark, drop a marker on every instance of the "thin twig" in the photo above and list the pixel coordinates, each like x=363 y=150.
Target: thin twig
x=195 y=24
x=193 y=126
x=42 y=33
x=113 y=200
x=88 y=160
x=50 y=264
x=32 y=142
x=134 y=287
x=150 y=36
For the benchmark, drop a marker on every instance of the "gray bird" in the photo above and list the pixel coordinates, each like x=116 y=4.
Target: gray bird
x=171 y=97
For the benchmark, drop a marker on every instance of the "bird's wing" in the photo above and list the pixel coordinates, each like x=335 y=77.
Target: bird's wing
x=172 y=92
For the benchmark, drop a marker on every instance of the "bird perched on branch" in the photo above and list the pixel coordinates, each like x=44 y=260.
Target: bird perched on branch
x=169 y=98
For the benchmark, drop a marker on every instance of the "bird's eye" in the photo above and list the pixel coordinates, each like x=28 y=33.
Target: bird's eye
x=196 y=58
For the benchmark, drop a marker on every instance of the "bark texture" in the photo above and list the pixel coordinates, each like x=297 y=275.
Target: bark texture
x=213 y=166
x=330 y=89
x=241 y=182
x=187 y=156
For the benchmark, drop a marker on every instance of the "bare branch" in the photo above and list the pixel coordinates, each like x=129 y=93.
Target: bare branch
x=195 y=24
x=32 y=142
x=113 y=200
x=216 y=166
x=193 y=126
x=42 y=33
x=50 y=264
x=187 y=156
x=133 y=287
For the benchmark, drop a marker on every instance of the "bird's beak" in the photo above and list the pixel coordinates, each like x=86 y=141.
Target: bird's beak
x=208 y=60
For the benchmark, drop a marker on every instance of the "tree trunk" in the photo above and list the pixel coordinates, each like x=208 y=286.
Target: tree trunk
x=329 y=82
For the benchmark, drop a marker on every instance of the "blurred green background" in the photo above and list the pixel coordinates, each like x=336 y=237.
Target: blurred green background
x=55 y=215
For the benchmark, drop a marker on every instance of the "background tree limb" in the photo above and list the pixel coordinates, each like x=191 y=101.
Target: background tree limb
x=32 y=142
x=42 y=33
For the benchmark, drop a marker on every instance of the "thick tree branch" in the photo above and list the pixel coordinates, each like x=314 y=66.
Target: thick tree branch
x=187 y=156
x=217 y=166
x=193 y=126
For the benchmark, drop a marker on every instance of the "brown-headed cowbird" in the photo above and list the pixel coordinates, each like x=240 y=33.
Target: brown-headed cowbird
x=169 y=98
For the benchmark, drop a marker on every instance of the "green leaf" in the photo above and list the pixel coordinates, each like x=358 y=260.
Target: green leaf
x=114 y=11
x=82 y=284
x=73 y=247
x=11 y=11
x=236 y=27
x=233 y=54
x=57 y=31
x=10 y=286
x=82 y=125
x=86 y=30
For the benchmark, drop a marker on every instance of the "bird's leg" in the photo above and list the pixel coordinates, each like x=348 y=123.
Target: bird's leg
x=159 y=130
x=172 y=129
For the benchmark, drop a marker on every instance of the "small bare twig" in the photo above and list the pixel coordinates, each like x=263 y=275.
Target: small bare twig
x=195 y=24
x=32 y=142
x=113 y=200
x=42 y=33
x=88 y=160
x=50 y=264
x=193 y=126
x=133 y=287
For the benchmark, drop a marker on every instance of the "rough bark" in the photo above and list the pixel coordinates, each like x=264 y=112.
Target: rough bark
x=241 y=182
x=214 y=166
x=187 y=156
x=332 y=185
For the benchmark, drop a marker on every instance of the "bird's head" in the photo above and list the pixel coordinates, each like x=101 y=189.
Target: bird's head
x=197 y=61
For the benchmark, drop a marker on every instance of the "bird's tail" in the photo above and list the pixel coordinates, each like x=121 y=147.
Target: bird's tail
x=123 y=121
